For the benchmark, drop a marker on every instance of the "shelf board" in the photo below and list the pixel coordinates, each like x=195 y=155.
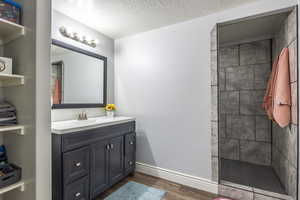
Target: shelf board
x=7 y=80
x=18 y=129
x=10 y=31
x=19 y=184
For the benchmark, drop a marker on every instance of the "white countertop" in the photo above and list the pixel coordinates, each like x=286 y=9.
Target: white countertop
x=69 y=126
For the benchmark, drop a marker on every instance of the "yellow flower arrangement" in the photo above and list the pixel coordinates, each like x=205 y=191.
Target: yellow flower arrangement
x=110 y=107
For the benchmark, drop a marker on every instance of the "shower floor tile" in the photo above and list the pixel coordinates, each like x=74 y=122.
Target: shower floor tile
x=257 y=176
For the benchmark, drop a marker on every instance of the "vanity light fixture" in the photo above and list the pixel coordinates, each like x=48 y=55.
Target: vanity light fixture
x=75 y=36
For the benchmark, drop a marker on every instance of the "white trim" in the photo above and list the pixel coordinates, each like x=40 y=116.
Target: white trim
x=178 y=177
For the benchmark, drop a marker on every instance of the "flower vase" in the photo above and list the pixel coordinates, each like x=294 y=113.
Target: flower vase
x=110 y=113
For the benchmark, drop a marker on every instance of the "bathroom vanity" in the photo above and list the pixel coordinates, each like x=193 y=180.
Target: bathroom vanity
x=90 y=156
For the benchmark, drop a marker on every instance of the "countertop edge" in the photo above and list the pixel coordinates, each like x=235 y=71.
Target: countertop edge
x=61 y=132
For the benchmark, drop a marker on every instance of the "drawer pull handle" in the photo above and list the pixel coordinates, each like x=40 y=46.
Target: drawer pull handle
x=77 y=194
x=78 y=164
x=111 y=146
x=107 y=147
x=131 y=143
x=130 y=163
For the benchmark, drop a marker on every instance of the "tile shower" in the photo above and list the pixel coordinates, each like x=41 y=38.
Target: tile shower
x=256 y=158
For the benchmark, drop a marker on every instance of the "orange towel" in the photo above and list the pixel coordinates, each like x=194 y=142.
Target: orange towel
x=277 y=101
x=57 y=93
x=268 y=99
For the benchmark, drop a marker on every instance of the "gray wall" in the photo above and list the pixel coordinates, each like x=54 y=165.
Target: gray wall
x=245 y=130
x=163 y=79
x=284 y=146
x=43 y=116
x=104 y=48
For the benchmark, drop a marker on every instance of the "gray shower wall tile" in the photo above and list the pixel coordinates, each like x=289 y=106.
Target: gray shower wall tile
x=213 y=68
x=262 y=129
x=213 y=39
x=222 y=81
x=274 y=48
x=229 y=102
x=229 y=148
x=276 y=160
x=214 y=138
x=222 y=125
x=242 y=82
x=240 y=127
x=291 y=26
x=283 y=170
x=284 y=151
x=291 y=184
x=215 y=168
x=293 y=61
x=255 y=52
x=251 y=102
x=239 y=78
x=294 y=108
x=214 y=103
x=292 y=145
x=255 y=152
x=261 y=75
x=229 y=56
x=282 y=37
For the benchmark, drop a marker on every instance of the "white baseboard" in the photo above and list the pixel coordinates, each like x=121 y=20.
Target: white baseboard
x=177 y=177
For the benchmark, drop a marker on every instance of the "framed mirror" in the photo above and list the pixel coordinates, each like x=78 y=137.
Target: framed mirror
x=78 y=77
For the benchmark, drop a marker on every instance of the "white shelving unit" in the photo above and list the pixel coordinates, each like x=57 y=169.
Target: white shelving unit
x=17 y=129
x=7 y=80
x=19 y=184
x=10 y=31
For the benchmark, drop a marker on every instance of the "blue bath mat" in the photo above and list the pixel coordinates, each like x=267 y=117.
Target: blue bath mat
x=136 y=191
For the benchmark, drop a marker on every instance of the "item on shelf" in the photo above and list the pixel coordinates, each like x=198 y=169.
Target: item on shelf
x=11 y=11
x=3 y=157
x=5 y=65
x=8 y=114
x=9 y=173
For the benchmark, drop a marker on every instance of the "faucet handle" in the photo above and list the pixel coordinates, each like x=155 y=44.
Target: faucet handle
x=80 y=116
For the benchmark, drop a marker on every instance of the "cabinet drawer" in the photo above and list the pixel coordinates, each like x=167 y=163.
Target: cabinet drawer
x=130 y=143
x=76 y=164
x=78 y=190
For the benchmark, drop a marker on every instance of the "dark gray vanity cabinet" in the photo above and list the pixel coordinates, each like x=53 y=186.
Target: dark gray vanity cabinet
x=86 y=163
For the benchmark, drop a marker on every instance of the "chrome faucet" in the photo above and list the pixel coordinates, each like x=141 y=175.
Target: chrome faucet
x=82 y=116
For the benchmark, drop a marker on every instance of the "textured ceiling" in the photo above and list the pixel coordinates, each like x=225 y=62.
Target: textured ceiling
x=118 y=18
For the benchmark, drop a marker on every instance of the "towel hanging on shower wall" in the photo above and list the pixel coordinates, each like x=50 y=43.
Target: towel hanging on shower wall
x=277 y=100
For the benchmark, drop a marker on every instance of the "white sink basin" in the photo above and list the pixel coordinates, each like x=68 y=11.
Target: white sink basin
x=68 y=126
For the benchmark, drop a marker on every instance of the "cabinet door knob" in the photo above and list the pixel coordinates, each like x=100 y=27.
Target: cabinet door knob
x=131 y=142
x=77 y=194
x=111 y=146
x=130 y=163
x=107 y=147
x=78 y=164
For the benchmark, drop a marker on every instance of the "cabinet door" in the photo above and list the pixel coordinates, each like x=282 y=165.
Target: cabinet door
x=116 y=159
x=130 y=146
x=99 y=168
